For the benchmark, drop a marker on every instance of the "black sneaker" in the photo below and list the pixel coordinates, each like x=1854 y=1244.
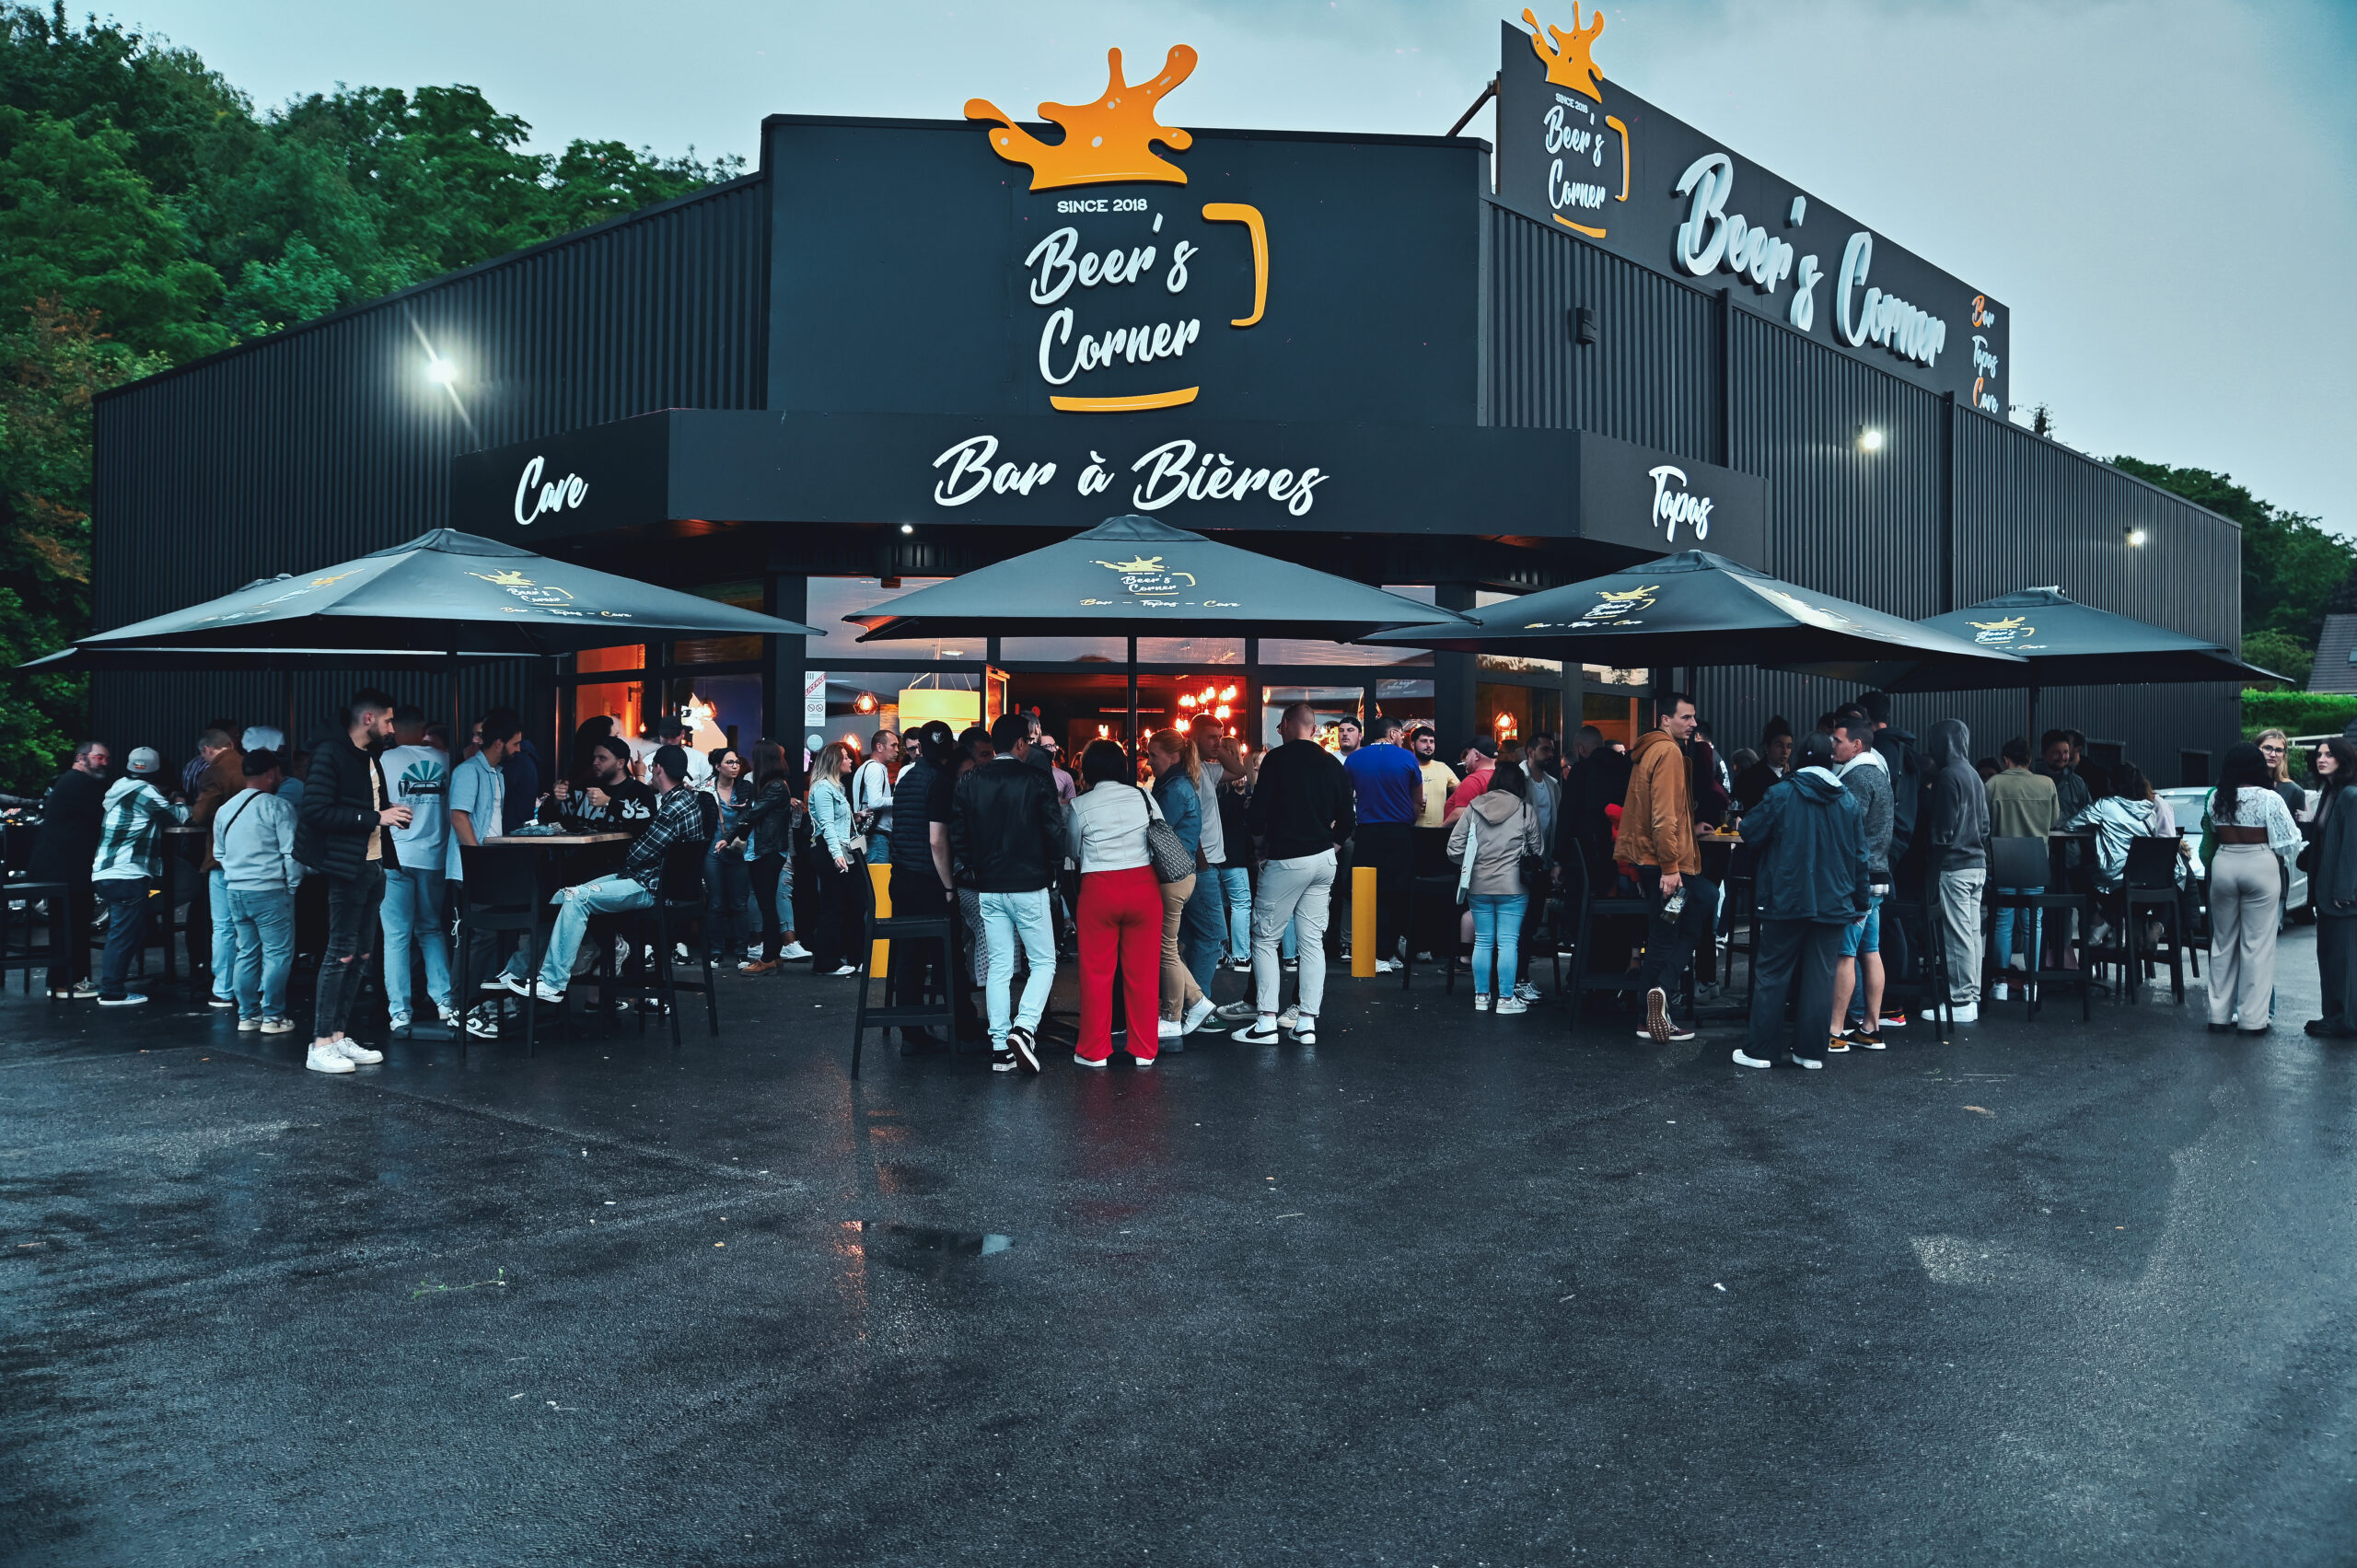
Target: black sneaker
x=1003 y=1059
x=1025 y=1048
x=1866 y=1040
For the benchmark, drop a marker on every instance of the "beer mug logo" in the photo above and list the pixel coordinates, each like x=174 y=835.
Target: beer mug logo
x=1611 y=605
x=1147 y=578
x=2002 y=634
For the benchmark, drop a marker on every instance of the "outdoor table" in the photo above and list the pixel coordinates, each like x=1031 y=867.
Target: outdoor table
x=173 y=925
x=566 y=859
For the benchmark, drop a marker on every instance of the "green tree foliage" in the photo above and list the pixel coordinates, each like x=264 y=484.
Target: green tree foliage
x=150 y=216
x=2292 y=566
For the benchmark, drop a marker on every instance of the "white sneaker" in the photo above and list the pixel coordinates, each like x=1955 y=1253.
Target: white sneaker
x=1386 y=966
x=326 y=1058
x=1305 y=1029
x=355 y=1051
x=1526 y=991
x=1509 y=1006
x=1814 y=1063
x=1999 y=992
x=1745 y=1059
x=1260 y=1031
x=1196 y=1015
x=1965 y=1013
x=797 y=950
x=1168 y=1028
x=1480 y=1001
x=846 y=969
x=1291 y=1018
x=278 y=1026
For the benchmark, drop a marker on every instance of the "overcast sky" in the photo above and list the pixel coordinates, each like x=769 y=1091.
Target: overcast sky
x=2165 y=192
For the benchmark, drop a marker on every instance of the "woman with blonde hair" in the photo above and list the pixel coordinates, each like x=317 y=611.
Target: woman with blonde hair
x=1177 y=790
x=2275 y=746
x=835 y=860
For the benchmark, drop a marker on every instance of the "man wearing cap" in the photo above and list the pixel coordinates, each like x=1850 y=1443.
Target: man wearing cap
x=223 y=775
x=253 y=841
x=1477 y=762
x=130 y=858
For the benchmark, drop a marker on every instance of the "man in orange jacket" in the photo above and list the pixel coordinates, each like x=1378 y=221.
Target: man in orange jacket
x=1657 y=837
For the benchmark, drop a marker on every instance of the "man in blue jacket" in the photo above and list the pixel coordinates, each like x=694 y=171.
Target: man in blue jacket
x=1809 y=833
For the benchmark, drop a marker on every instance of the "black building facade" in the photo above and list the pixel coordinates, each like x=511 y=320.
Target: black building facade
x=907 y=348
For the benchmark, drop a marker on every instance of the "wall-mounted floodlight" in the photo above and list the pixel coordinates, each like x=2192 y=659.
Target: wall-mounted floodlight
x=1869 y=439
x=440 y=371
x=908 y=527
x=2136 y=538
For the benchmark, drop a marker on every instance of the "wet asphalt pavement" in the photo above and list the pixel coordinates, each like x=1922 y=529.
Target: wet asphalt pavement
x=1443 y=1290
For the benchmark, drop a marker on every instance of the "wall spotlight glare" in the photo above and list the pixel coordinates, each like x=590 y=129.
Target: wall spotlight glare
x=908 y=527
x=2136 y=538
x=441 y=371
x=1869 y=439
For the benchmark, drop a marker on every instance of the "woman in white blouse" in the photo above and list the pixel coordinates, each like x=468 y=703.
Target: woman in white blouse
x=1121 y=914
x=2256 y=839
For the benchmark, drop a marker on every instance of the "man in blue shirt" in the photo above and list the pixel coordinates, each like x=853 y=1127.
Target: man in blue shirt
x=1388 y=784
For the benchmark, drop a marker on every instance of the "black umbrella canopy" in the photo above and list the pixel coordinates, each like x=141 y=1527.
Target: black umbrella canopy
x=2061 y=642
x=1694 y=607
x=1134 y=577
x=446 y=593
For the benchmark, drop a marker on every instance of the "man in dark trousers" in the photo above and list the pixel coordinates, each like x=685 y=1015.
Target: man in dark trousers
x=1814 y=881
x=70 y=816
x=1902 y=757
x=921 y=883
x=1007 y=839
x=1657 y=837
x=340 y=834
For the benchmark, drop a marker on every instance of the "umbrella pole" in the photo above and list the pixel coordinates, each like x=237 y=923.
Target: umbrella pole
x=1134 y=704
x=458 y=726
x=2031 y=737
x=289 y=685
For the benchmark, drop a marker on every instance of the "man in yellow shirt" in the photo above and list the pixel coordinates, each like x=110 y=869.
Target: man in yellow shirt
x=1439 y=777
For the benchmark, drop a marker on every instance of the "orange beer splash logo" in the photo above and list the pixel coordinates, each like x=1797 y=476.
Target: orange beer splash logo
x=1104 y=142
x=1571 y=63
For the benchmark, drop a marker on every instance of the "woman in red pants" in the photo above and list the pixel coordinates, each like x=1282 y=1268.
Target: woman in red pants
x=1121 y=906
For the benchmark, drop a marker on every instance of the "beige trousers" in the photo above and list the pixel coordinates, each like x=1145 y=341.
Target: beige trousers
x=2245 y=886
x=1179 y=990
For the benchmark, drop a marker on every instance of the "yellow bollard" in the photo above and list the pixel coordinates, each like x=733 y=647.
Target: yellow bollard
x=879 y=961
x=1362 y=953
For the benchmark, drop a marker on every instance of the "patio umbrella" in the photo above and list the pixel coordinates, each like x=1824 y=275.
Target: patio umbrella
x=1695 y=608
x=1132 y=575
x=2061 y=642
x=444 y=593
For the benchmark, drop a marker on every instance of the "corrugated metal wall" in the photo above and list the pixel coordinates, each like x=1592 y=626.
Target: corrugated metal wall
x=327 y=441
x=1881 y=529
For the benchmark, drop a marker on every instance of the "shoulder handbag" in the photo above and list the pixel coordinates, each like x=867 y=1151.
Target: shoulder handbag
x=1168 y=857
x=1472 y=853
x=1534 y=870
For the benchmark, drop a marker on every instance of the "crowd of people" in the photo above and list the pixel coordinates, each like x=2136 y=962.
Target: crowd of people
x=1198 y=858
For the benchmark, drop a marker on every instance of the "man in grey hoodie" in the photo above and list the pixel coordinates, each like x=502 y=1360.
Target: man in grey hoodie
x=1958 y=834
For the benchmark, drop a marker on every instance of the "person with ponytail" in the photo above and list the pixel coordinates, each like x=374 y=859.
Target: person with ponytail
x=2254 y=835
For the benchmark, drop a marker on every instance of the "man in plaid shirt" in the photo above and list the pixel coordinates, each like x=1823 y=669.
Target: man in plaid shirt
x=681 y=818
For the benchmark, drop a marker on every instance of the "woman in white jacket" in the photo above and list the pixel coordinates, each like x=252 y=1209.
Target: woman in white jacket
x=1490 y=839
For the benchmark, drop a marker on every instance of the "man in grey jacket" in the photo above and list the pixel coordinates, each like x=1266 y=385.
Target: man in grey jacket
x=1958 y=834
x=253 y=838
x=1865 y=775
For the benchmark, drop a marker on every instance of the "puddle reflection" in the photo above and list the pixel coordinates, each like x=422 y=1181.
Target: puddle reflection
x=923 y=1250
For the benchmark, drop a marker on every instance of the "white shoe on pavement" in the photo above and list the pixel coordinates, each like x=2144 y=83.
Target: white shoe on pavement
x=1304 y=1030
x=1260 y=1031
x=1168 y=1028
x=1195 y=1015
x=1964 y=1013
x=355 y=1051
x=1239 y=1012
x=1745 y=1059
x=1526 y=991
x=797 y=950
x=1509 y=1006
x=1290 y=1018
x=1480 y=1001
x=326 y=1058
x=1386 y=966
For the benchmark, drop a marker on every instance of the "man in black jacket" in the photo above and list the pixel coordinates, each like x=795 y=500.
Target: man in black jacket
x=1301 y=809
x=340 y=834
x=1814 y=881
x=70 y=816
x=1007 y=839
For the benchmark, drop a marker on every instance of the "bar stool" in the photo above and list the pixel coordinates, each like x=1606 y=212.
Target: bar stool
x=1584 y=977
x=17 y=949
x=2022 y=864
x=678 y=911
x=905 y=932
x=503 y=894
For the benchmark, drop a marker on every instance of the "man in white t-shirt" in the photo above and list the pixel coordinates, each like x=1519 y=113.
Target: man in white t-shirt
x=871 y=795
x=419 y=777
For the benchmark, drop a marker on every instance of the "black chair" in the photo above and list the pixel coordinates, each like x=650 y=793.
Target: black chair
x=677 y=915
x=503 y=895
x=1926 y=937
x=22 y=892
x=905 y=933
x=2024 y=862
x=2148 y=890
x=1432 y=904
x=1584 y=976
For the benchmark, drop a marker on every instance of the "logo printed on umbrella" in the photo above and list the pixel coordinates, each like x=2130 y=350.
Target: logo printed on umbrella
x=539 y=595
x=2002 y=634
x=1611 y=608
x=1145 y=575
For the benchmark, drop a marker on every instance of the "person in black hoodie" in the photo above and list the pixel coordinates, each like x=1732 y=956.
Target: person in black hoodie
x=1956 y=831
x=1814 y=880
x=340 y=834
x=1007 y=841
x=71 y=814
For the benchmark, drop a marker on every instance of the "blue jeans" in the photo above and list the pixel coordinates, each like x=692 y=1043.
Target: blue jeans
x=1006 y=919
x=1202 y=928
x=2031 y=921
x=224 y=932
x=264 y=920
x=1497 y=928
x=574 y=905
x=879 y=847
x=126 y=902
x=1236 y=886
x=413 y=912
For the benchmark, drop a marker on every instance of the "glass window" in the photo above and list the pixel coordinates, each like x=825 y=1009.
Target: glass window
x=1334 y=703
x=625 y=702
x=1613 y=675
x=1064 y=650
x=722 y=709
x=832 y=599
x=631 y=657
x=1517 y=664
x=1191 y=650
x=722 y=650
x=1351 y=656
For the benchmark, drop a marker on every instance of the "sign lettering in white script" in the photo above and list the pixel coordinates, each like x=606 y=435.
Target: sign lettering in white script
x=1672 y=507
x=1058 y=266
x=1172 y=471
x=554 y=496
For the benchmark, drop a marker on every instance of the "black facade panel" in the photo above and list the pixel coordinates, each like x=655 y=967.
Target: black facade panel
x=327 y=441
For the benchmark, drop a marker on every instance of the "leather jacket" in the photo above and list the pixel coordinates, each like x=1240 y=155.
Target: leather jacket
x=1006 y=829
